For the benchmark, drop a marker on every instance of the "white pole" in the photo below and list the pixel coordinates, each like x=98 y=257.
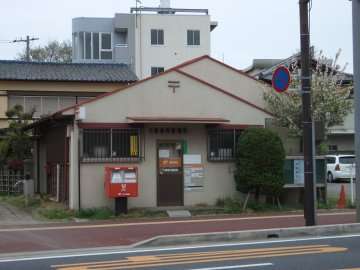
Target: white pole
x=352 y=184
x=57 y=182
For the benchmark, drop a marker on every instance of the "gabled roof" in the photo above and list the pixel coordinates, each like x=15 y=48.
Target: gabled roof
x=179 y=70
x=71 y=72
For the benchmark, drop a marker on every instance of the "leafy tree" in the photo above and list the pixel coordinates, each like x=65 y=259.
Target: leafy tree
x=259 y=163
x=330 y=98
x=54 y=51
x=16 y=145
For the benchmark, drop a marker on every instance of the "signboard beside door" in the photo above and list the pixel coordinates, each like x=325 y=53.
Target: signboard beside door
x=193 y=173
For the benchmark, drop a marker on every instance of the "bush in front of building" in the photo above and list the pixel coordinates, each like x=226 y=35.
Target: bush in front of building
x=260 y=158
x=16 y=143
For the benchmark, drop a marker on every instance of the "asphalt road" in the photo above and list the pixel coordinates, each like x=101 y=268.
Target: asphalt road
x=336 y=252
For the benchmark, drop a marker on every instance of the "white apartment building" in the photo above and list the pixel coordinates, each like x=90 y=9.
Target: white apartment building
x=148 y=39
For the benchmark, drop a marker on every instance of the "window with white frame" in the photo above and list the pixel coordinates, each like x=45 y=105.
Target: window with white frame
x=105 y=46
x=193 y=37
x=92 y=45
x=157 y=37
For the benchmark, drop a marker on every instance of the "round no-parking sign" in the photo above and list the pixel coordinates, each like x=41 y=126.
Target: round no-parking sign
x=281 y=79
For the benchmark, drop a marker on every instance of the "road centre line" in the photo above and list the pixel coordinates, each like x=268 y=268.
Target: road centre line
x=134 y=251
x=230 y=256
x=235 y=266
x=207 y=254
x=72 y=227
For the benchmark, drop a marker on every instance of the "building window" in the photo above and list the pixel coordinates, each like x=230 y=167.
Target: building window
x=156 y=70
x=44 y=105
x=88 y=41
x=193 y=37
x=110 y=145
x=106 y=46
x=222 y=144
x=94 y=46
x=333 y=148
x=122 y=35
x=157 y=37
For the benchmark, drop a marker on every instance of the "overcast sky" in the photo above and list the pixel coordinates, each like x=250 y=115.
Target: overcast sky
x=247 y=29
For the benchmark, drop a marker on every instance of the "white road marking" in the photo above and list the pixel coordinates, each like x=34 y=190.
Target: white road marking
x=114 y=225
x=235 y=266
x=174 y=248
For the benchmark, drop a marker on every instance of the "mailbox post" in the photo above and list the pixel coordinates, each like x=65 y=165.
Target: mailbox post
x=120 y=184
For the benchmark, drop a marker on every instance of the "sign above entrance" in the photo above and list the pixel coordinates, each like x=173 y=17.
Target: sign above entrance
x=281 y=79
x=170 y=162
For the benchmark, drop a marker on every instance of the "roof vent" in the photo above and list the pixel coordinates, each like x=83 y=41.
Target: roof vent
x=164 y=4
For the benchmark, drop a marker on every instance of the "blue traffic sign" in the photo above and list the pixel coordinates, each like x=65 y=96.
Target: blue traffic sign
x=281 y=79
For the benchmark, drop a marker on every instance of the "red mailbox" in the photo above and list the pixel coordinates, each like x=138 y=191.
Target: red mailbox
x=121 y=182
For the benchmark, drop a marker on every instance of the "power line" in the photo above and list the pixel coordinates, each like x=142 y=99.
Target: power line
x=27 y=41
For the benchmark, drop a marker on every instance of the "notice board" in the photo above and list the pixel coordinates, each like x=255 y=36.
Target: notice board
x=193 y=173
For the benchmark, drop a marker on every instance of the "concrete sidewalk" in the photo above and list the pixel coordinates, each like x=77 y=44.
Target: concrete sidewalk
x=106 y=234
x=10 y=215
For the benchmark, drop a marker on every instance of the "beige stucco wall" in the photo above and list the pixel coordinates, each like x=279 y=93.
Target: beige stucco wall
x=153 y=98
x=229 y=80
x=218 y=180
x=3 y=109
x=3 y=104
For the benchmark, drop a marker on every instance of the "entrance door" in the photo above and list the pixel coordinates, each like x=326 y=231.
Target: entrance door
x=170 y=186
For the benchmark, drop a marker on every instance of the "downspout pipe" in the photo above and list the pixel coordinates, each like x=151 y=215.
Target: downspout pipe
x=79 y=164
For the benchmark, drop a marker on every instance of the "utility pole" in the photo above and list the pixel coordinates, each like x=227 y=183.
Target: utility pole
x=309 y=200
x=356 y=42
x=27 y=40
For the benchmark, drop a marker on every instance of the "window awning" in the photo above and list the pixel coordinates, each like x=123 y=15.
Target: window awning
x=182 y=120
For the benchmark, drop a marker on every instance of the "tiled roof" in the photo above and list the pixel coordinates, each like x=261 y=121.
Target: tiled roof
x=74 y=72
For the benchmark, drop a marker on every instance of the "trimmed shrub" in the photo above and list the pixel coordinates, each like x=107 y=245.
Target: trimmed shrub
x=260 y=157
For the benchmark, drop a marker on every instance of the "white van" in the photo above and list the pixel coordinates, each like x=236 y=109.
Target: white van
x=340 y=167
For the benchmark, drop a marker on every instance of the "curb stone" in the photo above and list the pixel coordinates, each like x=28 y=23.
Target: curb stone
x=249 y=235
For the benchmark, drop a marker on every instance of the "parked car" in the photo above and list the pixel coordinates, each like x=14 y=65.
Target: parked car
x=340 y=167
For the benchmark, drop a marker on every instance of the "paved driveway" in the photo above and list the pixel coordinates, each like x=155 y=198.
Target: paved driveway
x=10 y=215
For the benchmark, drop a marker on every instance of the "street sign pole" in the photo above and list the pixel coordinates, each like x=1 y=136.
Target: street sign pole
x=309 y=200
x=356 y=43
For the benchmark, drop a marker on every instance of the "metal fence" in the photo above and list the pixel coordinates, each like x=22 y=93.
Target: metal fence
x=8 y=180
x=110 y=145
x=222 y=144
